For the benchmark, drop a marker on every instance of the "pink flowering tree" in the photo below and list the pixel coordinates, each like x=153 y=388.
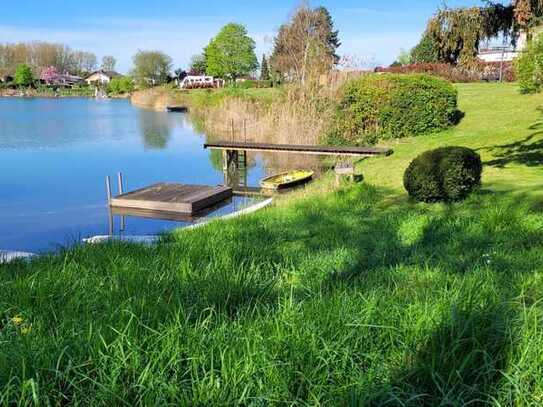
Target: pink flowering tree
x=49 y=75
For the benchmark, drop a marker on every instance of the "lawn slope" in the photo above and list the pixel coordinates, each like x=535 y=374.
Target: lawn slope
x=343 y=297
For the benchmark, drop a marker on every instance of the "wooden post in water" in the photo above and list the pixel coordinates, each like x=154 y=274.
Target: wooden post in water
x=108 y=190
x=245 y=129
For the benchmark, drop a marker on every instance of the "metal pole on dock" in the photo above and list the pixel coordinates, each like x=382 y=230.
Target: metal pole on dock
x=121 y=191
x=120 y=181
x=108 y=190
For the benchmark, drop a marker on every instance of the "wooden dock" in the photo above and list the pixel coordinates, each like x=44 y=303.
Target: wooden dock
x=299 y=149
x=170 y=198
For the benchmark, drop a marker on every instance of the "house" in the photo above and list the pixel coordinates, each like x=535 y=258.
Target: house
x=63 y=80
x=101 y=77
x=503 y=53
x=200 y=82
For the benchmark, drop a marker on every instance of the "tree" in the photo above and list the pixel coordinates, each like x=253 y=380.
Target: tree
x=264 y=69
x=49 y=75
x=426 y=51
x=198 y=65
x=151 y=67
x=24 y=76
x=306 y=45
x=328 y=32
x=527 y=12
x=457 y=33
x=108 y=63
x=529 y=67
x=405 y=57
x=121 y=85
x=231 y=53
x=84 y=62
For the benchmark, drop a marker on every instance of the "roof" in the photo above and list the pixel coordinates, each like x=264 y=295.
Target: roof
x=110 y=74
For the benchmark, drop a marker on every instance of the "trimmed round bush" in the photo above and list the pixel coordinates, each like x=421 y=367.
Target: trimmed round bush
x=388 y=106
x=445 y=174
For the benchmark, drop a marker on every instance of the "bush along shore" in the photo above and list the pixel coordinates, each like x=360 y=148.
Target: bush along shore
x=361 y=111
x=349 y=296
x=46 y=92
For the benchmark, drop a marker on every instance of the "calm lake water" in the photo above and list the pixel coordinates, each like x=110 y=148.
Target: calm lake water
x=55 y=155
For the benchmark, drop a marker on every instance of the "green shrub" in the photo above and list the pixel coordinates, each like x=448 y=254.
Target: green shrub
x=445 y=174
x=386 y=106
x=121 y=85
x=529 y=67
x=250 y=84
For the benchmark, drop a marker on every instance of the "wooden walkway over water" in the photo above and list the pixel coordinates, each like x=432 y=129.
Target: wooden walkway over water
x=299 y=149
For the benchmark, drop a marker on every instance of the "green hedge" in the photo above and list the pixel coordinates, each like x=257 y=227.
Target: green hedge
x=387 y=106
x=250 y=84
x=445 y=174
x=529 y=67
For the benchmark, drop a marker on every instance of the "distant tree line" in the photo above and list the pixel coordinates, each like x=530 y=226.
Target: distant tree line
x=40 y=55
x=304 y=47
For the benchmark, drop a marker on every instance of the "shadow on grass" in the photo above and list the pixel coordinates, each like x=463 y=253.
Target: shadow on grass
x=528 y=151
x=343 y=247
x=460 y=363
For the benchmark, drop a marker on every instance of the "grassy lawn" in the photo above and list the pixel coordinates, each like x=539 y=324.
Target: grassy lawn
x=333 y=297
x=506 y=128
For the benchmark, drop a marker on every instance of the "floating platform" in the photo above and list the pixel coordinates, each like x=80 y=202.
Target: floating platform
x=172 y=198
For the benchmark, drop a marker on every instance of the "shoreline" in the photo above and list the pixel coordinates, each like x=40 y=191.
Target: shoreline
x=4 y=95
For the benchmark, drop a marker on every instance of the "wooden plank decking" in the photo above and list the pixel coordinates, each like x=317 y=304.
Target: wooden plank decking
x=172 y=198
x=299 y=149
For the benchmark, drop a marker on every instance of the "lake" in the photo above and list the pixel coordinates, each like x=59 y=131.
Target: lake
x=56 y=153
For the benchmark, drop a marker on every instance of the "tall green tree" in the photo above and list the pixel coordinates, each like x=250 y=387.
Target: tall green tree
x=426 y=51
x=231 y=53
x=23 y=75
x=328 y=32
x=151 y=67
x=198 y=65
x=264 y=69
x=306 y=45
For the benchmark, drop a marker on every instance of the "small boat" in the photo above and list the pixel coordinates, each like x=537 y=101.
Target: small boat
x=287 y=179
x=177 y=109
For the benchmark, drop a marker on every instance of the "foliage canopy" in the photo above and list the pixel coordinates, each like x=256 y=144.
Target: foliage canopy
x=306 y=46
x=151 y=67
x=376 y=107
x=231 y=54
x=529 y=67
x=108 y=63
x=23 y=75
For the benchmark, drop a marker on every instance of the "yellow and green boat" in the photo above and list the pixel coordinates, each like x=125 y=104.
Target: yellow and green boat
x=287 y=179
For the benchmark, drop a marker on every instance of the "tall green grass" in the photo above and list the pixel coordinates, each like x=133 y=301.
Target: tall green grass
x=344 y=300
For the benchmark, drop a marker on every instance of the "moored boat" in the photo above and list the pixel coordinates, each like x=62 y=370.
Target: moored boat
x=287 y=179
x=177 y=109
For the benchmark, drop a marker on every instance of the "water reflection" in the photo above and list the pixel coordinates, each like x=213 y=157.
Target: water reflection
x=156 y=128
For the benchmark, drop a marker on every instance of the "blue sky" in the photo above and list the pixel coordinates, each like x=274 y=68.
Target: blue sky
x=371 y=31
